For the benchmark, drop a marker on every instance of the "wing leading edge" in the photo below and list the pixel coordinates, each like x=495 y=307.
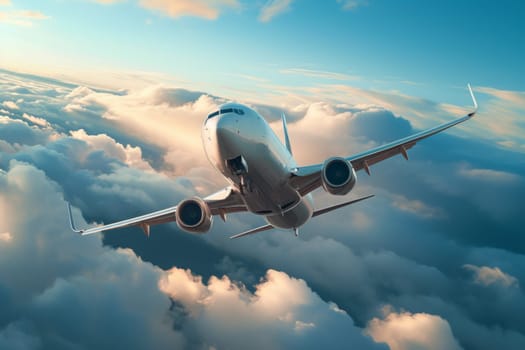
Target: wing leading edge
x=221 y=203
x=308 y=178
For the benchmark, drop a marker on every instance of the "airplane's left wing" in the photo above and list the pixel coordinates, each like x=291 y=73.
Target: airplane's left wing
x=221 y=203
x=308 y=178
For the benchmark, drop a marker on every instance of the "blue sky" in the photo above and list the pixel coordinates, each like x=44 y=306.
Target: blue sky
x=102 y=103
x=372 y=44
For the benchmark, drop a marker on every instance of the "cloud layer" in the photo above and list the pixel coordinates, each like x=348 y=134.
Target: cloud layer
x=438 y=250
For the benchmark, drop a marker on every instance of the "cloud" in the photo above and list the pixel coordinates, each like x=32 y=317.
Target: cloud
x=281 y=311
x=415 y=206
x=91 y=279
x=273 y=8
x=406 y=331
x=488 y=174
x=132 y=156
x=352 y=4
x=514 y=97
x=35 y=120
x=360 y=258
x=82 y=276
x=318 y=74
x=208 y=9
x=10 y=105
x=6 y=237
x=486 y=276
x=5 y=2
x=23 y=18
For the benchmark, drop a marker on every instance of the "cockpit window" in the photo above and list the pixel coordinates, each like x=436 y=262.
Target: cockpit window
x=226 y=110
x=211 y=115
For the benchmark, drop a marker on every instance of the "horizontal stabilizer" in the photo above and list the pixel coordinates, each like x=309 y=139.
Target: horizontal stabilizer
x=334 y=207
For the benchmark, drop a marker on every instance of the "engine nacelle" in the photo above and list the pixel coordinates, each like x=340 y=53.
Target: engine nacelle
x=194 y=215
x=338 y=176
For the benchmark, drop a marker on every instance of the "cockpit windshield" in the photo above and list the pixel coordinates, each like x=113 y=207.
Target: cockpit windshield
x=238 y=111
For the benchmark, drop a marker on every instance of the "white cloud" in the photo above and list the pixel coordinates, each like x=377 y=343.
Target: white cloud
x=488 y=174
x=35 y=120
x=514 y=97
x=208 y=9
x=415 y=206
x=5 y=2
x=132 y=156
x=10 y=105
x=318 y=74
x=406 y=331
x=6 y=237
x=281 y=310
x=491 y=275
x=273 y=8
x=173 y=123
x=23 y=18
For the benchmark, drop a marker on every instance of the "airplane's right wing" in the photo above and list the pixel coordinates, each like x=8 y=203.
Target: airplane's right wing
x=220 y=203
x=308 y=178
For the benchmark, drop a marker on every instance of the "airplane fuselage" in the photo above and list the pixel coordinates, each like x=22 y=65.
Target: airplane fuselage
x=241 y=145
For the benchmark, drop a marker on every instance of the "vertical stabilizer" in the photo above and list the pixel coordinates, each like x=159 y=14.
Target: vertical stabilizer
x=285 y=130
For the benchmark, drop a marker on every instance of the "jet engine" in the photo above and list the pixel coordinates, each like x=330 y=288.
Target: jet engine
x=194 y=215
x=338 y=176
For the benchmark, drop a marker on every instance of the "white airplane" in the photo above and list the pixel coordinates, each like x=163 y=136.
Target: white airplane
x=264 y=177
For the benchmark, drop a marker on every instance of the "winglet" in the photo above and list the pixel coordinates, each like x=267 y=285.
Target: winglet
x=285 y=130
x=473 y=101
x=71 y=221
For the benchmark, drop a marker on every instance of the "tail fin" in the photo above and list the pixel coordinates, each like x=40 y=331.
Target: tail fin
x=285 y=130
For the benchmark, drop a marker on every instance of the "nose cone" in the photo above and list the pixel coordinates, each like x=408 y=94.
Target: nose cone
x=226 y=131
x=225 y=124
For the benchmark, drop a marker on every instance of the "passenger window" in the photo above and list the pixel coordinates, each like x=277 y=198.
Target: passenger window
x=227 y=110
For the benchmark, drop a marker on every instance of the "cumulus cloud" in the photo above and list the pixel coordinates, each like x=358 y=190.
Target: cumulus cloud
x=108 y=289
x=35 y=120
x=129 y=155
x=273 y=8
x=10 y=105
x=361 y=258
x=281 y=311
x=208 y=9
x=406 y=331
x=491 y=275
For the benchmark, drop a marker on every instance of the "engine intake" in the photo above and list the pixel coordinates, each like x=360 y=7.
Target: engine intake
x=193 y=215
x=338 y=176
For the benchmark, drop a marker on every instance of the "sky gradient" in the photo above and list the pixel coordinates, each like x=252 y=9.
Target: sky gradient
x=101 y=105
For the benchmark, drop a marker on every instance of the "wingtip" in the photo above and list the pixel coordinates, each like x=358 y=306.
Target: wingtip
x=473 y=100
x=71 y=221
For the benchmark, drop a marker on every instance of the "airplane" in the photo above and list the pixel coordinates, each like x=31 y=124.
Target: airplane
x=264 y=177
